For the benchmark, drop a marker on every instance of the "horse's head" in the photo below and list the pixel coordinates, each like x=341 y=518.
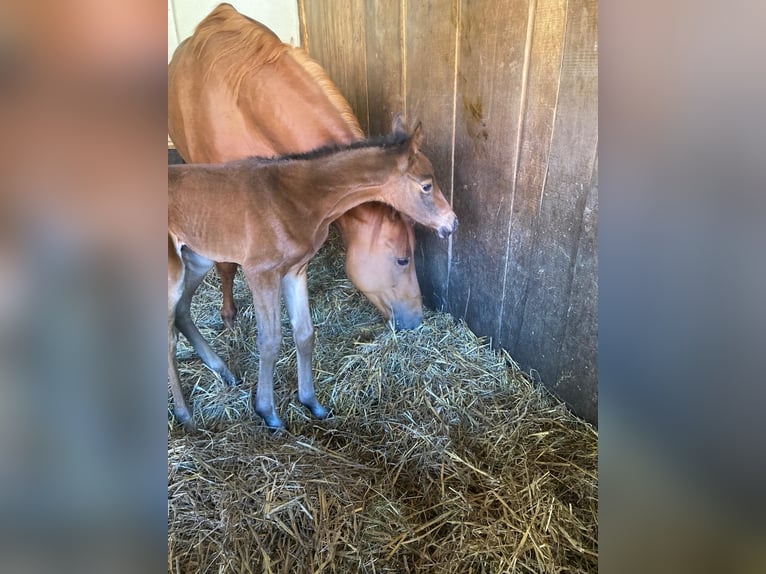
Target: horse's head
x=419 y=195
x=379 y=262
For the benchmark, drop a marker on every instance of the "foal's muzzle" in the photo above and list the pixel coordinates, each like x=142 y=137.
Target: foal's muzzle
x=446 y=230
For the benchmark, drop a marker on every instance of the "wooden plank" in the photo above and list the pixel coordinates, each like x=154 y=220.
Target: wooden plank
x=385 y=97
x=492 y=44
x=577 y=378
x=429 y=76
x=336 y=39
x=563 y=224
x=547 y=27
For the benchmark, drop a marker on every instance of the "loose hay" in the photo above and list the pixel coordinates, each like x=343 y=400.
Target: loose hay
x=441 y=455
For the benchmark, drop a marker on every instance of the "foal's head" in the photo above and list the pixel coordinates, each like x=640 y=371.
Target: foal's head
x=414 y=190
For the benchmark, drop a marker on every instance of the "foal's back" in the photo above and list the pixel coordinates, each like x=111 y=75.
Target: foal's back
x=222 y=210
x=259 y=208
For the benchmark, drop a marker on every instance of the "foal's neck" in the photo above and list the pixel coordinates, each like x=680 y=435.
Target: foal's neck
x=349 y=182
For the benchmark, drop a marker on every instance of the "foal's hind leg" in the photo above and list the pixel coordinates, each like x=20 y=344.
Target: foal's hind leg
x=175 y=289
x=196 y=267
x=297 y=302
x=226 y=272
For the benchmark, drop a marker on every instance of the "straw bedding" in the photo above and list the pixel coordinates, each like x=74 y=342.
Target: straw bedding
x=441 y=455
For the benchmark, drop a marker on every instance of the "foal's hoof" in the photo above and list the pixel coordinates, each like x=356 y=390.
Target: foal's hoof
x=228 y=378
x=223 y=372
x=186 y=422
x=272 y=420
x=318 y=410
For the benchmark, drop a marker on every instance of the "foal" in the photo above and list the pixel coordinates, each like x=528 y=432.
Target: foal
x=271 y=217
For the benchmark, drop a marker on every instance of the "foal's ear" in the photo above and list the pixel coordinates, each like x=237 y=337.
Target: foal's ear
x=416 y=139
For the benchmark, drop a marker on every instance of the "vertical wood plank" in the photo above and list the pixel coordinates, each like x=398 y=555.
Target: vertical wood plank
x=489 y=91
x=303 y=25
x=384 y=64
x=336 y=39
x=577 y=378
x=546 y=44
x=563 y=228
x=429 y=68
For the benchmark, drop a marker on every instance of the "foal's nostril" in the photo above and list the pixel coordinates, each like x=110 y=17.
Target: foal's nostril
x=446 y=231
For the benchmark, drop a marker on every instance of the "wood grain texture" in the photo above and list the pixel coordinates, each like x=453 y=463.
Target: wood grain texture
x=541 y=83
x=489 y=96
x=577 y=378
x=384 y=64
x=507 y=93
x=336 y=39
x=562 y=230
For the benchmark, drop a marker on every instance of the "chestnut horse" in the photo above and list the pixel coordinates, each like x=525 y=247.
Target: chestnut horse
x=271 y=217
x=235 y=90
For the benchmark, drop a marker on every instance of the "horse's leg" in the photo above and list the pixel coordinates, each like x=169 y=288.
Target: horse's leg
x=297 y=302
x=226 y=272
x=266 y=294
x=175 y=289
x=195 y=268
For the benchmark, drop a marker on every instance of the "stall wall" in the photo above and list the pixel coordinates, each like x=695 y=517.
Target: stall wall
x=507 y=92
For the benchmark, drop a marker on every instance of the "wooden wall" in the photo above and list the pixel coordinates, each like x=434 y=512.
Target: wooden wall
x=507 y=92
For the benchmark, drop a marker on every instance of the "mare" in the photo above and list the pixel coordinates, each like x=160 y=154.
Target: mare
x=271 y=217
x=235 y=90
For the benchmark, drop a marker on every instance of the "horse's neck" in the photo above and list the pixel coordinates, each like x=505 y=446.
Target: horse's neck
x=296 y=111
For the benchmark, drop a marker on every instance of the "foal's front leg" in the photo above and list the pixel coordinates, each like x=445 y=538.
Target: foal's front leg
x=297 y=301
x=266 y=299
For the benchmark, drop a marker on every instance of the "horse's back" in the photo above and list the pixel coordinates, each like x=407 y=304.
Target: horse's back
x=235 y=90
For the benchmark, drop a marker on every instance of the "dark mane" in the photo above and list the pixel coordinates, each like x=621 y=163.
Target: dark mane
x=388 y=141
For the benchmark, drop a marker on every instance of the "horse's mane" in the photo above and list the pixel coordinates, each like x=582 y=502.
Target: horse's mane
x=318 y=74
x=249 y=46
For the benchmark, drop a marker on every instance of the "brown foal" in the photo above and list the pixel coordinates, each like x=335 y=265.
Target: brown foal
x=271 y=216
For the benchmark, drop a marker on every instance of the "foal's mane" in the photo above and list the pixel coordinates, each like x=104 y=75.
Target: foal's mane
x=390 y=141
x=250 y=45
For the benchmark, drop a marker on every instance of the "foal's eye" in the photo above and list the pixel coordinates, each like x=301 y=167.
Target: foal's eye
x=403 y=261
x=426 y=187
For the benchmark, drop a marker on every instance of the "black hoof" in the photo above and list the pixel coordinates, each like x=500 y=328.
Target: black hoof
x=186 y=422
x=228 y=378
x=321 y=412
x=317 y=409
